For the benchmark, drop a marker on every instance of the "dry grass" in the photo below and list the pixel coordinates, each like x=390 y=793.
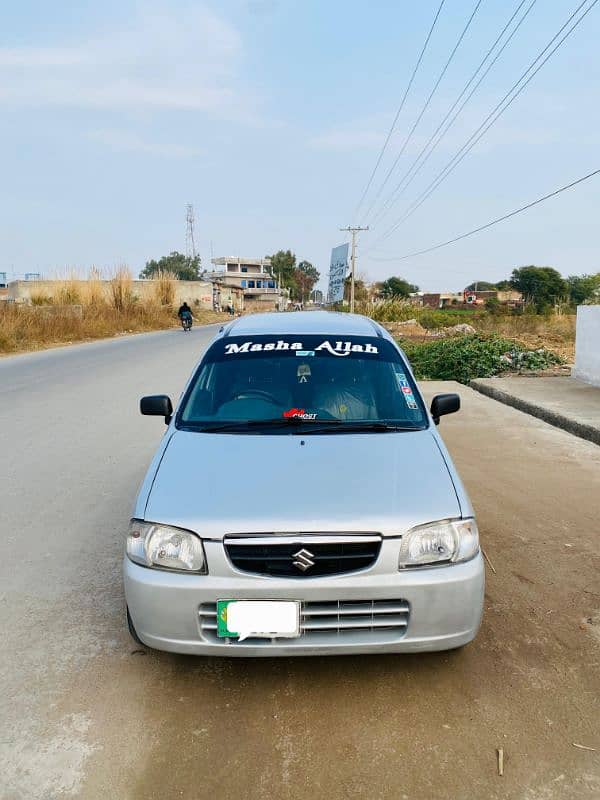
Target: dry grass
x=35 y=328
x=81 y=311
x=556 y=333
x=120 y=290
x=93 y=294
x=164 y=288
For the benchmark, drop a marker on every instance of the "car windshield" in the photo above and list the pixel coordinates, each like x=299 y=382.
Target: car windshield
x=302 y=382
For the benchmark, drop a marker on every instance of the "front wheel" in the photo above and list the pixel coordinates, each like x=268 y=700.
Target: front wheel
x=132 y=629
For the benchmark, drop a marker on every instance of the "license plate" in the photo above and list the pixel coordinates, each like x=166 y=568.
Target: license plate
x=258 y=618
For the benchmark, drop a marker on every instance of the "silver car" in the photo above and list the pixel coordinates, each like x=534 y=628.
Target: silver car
x=302 y=502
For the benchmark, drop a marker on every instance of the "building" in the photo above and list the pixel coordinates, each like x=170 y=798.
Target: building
x=254 y=277
x=508 y=297
x=441 y=299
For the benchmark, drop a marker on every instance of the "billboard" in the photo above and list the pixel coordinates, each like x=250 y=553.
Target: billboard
x=337 y=273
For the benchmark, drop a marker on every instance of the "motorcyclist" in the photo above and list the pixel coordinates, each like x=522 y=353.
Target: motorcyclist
x=185 y=316
x=184 y=311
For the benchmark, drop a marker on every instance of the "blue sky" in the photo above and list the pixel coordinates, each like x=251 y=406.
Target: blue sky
x=268 y=116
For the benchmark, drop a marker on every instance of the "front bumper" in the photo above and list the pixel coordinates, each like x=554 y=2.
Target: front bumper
x=445 y=604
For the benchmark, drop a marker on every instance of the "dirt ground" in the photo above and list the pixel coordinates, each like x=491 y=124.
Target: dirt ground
x=552 y=333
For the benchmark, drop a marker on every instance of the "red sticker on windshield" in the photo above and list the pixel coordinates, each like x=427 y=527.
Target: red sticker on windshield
x=298 y=412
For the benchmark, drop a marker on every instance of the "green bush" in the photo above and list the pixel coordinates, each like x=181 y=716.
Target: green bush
x=462 y=358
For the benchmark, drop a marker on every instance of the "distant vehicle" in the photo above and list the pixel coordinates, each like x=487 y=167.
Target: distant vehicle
x=302 y=502
x=186 y=322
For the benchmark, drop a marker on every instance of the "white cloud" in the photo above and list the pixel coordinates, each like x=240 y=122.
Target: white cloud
x=167 y=60
x=128 y=141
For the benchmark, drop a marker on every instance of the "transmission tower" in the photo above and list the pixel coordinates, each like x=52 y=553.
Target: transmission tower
x=190 y=245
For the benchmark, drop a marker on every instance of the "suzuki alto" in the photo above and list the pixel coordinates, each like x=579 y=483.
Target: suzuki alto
x=302 y=502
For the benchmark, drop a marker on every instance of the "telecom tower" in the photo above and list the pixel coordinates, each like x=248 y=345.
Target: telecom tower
x=190 y=245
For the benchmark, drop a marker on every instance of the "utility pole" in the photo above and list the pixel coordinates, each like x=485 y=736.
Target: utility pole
x=353 y=231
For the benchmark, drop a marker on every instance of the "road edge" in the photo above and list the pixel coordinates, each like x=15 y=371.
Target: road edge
x=118 y=337
x=580 y=429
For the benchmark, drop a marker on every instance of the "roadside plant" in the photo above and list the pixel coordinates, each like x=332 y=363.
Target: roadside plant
x=120 y=288
x=164 y=288
x=463 y=358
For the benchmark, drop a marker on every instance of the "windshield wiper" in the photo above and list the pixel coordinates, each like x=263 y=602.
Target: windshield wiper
x=311 y=425
x=277 y=422
x=377 y=427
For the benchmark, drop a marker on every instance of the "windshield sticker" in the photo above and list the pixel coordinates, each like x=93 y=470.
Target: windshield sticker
x=300 y=413
x=345 y=348
x=410 y=398
x=339 y=349
x=305 y=353
x=402 y=381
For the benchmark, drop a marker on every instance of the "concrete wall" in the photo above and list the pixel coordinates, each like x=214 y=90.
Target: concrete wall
x=587 y=345
x=196 y=293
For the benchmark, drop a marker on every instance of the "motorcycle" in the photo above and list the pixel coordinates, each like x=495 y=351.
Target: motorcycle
x=186 y=322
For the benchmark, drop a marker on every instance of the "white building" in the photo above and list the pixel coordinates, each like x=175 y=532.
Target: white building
x=254 y=277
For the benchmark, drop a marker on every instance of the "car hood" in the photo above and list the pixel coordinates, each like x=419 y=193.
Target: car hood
x=217 y=484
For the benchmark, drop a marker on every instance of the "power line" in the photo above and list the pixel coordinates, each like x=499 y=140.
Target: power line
x=490 y=119
x=396 y=193
x=493 y=222
x=400 y=107
x=425 y=106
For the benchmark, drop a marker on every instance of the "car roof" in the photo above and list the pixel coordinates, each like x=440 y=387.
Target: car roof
x=318 y=322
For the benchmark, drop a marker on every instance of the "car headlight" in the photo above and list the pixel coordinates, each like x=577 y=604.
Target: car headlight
x=447 y=541
x=163 y=547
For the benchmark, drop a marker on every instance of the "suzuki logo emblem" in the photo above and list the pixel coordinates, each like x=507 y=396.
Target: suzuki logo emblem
x=303 y=559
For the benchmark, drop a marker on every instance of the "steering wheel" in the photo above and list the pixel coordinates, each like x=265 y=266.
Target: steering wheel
x=248 y=394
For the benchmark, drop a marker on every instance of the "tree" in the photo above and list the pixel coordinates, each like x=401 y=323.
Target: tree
x=283 y=267
x=504 y=286
x=305 y=278
x=540 y=286
x=492 y=304
x=361 y=293
x=584 y=288
x=397 y=287
x=480 y=286
x=184 y=268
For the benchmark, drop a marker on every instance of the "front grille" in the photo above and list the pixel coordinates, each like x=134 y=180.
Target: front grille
x=328 y=622
x=303 y=557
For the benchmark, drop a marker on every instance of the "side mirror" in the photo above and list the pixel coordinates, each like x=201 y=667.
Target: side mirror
x=157 y=405
x=444 y=404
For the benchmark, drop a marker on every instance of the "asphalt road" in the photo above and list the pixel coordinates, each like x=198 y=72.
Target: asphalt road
x=88 y=714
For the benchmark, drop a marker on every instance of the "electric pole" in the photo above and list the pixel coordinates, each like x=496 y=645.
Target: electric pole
x=353 y=231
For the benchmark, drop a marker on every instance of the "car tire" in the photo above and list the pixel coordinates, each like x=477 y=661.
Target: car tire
x=132 y=629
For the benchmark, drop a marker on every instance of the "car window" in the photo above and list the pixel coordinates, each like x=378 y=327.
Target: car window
x=309 y=378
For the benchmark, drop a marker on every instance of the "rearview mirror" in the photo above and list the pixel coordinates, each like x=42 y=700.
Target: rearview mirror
x=444 y=404
x=157 y=405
